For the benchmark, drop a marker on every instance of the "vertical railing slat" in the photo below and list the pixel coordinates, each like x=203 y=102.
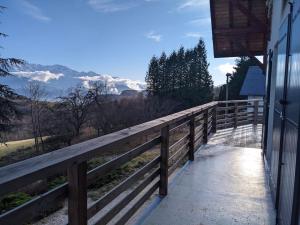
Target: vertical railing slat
x=77 y=198
x=192 y=139
x=164 y=153
x=205 y=128
x=255 y=120
x=214 y=120
x=235 y=115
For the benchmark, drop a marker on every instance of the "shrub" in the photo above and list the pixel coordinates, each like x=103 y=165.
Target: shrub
x=13 y=200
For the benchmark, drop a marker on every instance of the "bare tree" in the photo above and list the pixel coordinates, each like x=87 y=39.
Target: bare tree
x=98 y=93
x=76 y=105
x=36 y=96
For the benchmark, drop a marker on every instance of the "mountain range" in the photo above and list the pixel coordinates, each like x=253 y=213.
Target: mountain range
x=58 y=79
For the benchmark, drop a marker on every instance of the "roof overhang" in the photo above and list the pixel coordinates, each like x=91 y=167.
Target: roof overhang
x=239 y=27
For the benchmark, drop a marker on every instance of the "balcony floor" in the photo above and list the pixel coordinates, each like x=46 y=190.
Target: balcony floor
x=225 y=185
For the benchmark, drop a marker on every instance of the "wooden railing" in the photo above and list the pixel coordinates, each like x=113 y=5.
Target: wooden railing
x=239 y=112
x=196 y=124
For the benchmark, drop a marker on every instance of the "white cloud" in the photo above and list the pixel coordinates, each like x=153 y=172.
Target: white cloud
x=113 y=83
x=154 y=36
x=226 y=68
x=188 y=4
x=109 y=6
x=34 y=11
x=193 y=35
x=43 y=76
x=201 y=21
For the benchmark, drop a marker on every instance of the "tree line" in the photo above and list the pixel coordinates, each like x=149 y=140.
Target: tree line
x=182 y=76
x=83 y=113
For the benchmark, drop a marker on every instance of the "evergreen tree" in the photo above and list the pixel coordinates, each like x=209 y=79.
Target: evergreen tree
x=162 y=79
x=183 y=76
x=205 y=79
x=152 y=76
x=173 y=76
x=181 y=70
x=188 y=74
x=8 y=109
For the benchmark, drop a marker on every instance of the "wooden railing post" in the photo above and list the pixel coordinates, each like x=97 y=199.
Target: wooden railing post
x=235 y=115
x=77 y=199
x=255 y=119
x=192 y=139
x=205 y=127
x=164 y=153
x=214 y=120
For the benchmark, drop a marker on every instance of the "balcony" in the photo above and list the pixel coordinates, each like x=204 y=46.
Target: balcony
x=207 y=169
x=226 y=184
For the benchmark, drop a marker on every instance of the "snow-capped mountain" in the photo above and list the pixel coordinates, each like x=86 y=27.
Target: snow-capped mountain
x=58 y=79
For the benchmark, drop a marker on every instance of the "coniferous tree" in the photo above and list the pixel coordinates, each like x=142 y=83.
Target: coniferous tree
x=188 y=61
x=181 y=70
x=162 y=79
x=205 y=79
x=183 y=76
x=8 y=109
x=173 y=76
x=152 y=76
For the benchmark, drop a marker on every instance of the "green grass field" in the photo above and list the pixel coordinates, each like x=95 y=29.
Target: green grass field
x=13 y=146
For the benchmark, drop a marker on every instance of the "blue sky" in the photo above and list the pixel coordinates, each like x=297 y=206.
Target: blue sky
x=116 y=37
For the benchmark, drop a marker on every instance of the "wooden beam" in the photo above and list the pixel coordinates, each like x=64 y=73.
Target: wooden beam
x=205 y=128
x=164 y=154
x=77 y=201
x=238 y=31
x=213 y=23
x=214 y=120
x=255 y=115
x=252 y=17
x=192 y=139
x=236 y=111
x=231 y=15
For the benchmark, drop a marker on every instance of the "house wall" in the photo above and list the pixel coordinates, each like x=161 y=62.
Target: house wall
x=278 y=13
x=288 y=199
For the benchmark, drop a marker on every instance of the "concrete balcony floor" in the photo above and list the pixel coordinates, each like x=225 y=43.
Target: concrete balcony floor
x=225 y=185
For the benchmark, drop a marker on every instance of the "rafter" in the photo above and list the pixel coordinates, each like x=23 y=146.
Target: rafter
x=237 y=31
x=252 y=17
x=236 y=20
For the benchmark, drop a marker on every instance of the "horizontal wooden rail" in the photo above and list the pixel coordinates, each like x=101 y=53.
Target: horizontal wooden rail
x=120 y=205
x=137 y=205
x=178 y=161
x=178 y=153
x=194 y=126
x=107 y=198
x=238 y=112
x=119 y=161
x=179 y=143
x=180 y=126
